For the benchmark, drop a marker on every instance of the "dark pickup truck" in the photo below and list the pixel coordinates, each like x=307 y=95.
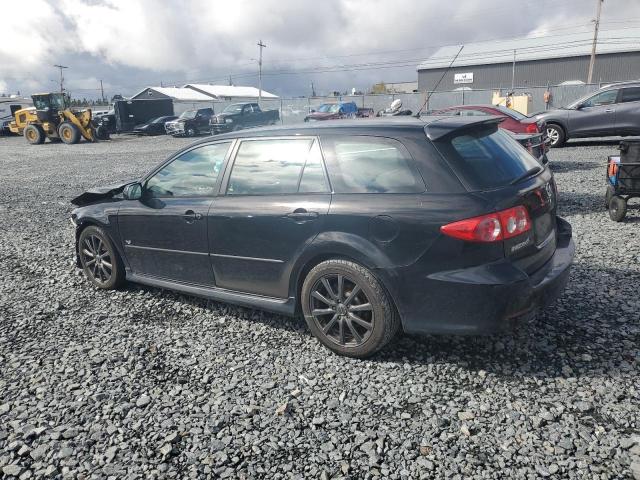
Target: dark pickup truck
x=242 y=115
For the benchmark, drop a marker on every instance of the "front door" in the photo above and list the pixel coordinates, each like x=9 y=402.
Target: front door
x=165 y=232
x=277 y=198
x=596 y=116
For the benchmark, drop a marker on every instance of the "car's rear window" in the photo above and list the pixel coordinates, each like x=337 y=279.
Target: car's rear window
x=486 y=159
x=366 y=164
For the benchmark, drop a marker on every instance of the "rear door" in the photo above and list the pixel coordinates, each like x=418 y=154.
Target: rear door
x=596 y=116
x=628 y=112
x=276 y=200
x=165 y=232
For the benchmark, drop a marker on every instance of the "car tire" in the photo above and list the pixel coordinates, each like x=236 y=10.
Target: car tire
x=617 y=208
x=99 y=259
x=609 y=194
x=69 y=133
x=34 y=134
x=191 y=132
x=556 y=135
x=347 y=309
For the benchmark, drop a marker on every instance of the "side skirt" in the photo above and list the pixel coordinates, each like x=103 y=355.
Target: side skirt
x=270 y=304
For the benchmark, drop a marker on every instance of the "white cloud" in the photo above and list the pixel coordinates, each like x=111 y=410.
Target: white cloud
x=129 y=42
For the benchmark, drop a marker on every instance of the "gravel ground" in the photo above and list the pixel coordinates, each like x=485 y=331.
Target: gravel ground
x=145 y=383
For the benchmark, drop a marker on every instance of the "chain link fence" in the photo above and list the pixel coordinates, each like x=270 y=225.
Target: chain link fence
x=294 y=110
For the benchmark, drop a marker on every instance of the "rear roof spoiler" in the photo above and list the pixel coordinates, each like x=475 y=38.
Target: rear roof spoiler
x=441 y=127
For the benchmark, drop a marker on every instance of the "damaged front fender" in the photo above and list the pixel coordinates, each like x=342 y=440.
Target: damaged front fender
x=99 y=193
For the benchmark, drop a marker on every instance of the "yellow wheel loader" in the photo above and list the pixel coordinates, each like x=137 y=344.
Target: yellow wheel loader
x=52 y=118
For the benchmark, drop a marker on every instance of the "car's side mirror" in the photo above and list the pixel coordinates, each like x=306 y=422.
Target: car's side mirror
x=133 y=191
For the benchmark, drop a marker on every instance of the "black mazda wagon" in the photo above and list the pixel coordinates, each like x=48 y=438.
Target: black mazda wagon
x=431 y=225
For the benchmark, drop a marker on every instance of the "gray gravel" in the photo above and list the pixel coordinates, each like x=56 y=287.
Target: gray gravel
x=145 y=383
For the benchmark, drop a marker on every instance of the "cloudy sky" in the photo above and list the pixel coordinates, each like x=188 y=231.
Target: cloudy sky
x=336 y=44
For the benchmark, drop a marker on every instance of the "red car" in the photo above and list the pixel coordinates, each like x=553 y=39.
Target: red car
x=513 y=121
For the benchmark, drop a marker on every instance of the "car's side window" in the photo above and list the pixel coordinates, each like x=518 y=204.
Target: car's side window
x=604 y=98
x=365 y=164
x=313 y=179
x=631 y=94
x=192 y=174
x=268 y=167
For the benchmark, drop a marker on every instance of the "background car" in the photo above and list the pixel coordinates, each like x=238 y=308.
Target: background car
x=613 y=110
x=242 y=115
x=432 y=226
x=513 y=121
x=190 y=123
x=529 y=132
x=155 y=126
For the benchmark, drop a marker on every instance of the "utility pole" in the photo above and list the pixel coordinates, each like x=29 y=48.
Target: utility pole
x=102 y=91
x=61 y=67
x=513 y=71
x=313 y=89
x=595 y=41
x=261 y=45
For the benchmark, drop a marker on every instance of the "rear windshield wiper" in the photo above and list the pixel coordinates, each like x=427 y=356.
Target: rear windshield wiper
x=529 y=173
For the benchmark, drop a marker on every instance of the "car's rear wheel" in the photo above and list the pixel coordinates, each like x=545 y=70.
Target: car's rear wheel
x=617 y=208
x=556 y=135
x=347 y=308
x=99 y=259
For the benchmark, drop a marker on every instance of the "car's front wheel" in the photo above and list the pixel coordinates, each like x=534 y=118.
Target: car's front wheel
x=556 y=135
x=99 y=259
x=348 y=309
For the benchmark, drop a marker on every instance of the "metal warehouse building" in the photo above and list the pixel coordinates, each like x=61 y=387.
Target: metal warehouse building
x=539 y=61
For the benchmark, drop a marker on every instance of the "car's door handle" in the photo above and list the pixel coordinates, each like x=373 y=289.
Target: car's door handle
x=609 y=110
x=301 y=214
x=190 y=216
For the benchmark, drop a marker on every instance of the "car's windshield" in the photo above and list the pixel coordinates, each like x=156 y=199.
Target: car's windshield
x=159 y=120
x=329 y=108
x=234 y=108
x=581 y=100
x=486 y=158
x=189 y=114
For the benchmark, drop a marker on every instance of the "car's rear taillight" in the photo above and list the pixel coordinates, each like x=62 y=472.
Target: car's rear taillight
x=492 y=227
x=531 y=128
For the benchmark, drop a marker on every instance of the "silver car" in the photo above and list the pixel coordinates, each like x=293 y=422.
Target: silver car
x=611 y=111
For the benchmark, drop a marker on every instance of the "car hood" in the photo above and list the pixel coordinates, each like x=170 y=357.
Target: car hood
x=100 y=193
x=142 y=126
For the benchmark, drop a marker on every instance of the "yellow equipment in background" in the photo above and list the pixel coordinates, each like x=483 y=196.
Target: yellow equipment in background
x=52 y=118
x=519 y=103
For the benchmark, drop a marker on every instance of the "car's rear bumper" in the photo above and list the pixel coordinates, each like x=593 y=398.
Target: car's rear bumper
x=483 y=299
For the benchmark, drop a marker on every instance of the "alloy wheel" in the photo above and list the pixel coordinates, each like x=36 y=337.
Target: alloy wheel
x=341 y=310
x=96 y=258
x=554 y=135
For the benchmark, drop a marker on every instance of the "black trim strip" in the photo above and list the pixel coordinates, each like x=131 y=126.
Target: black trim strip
x=155 y=249
x=238 y=257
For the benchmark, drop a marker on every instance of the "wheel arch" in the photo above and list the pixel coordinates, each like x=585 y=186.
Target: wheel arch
x=373 y=261
x=83 y=223
x=562 y=125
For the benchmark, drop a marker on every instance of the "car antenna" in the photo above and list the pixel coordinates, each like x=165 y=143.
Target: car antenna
x=426 y=100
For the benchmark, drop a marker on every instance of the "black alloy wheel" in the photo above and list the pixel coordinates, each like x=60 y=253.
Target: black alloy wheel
x=342 y=310
x=347 y=309
x=100 y=261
